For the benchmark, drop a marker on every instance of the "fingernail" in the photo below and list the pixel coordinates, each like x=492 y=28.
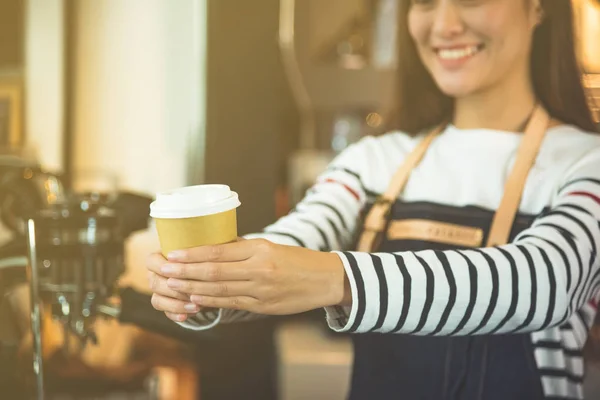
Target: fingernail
x=167 y=269
x=177 y=255
x=196 y=299
x=174 y=283
x=191 y=307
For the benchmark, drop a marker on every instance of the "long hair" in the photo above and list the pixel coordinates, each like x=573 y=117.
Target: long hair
x=555 y=73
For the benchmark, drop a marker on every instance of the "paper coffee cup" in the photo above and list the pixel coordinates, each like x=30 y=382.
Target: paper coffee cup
x=195 y=216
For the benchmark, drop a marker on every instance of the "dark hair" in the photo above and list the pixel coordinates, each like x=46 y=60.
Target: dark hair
x=555 y=73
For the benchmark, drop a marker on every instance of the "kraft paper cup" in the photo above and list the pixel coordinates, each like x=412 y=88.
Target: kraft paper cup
x=195 y=216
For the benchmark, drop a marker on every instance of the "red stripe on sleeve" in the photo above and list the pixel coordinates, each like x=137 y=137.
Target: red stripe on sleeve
x=348 y=188
x=586 y=194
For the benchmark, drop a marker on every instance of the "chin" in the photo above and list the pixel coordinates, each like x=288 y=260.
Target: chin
x=455 y=88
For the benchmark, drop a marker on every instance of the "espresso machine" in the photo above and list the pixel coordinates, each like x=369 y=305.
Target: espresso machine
x=75 y=255
x=70 y=247
x=66 y=251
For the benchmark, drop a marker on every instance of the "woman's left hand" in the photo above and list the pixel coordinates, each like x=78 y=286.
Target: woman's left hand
x=257 y=276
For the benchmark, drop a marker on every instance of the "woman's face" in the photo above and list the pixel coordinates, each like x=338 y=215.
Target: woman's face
x=470 y=46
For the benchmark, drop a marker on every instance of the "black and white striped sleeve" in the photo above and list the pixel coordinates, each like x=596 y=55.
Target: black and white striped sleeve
x=548 y=273
x=324 y=220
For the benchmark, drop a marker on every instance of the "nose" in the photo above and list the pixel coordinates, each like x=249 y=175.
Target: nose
x=447 y=21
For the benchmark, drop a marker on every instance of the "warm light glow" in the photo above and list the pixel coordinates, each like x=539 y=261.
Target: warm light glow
x=589 y=24
x=374 y=120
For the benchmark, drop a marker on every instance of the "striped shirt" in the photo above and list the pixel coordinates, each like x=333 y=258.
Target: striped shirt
x=546 y=282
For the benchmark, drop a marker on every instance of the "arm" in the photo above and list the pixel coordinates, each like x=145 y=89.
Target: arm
x=550 y=271
x=324 y=220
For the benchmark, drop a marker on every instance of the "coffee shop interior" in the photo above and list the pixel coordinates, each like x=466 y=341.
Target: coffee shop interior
x=104 y=103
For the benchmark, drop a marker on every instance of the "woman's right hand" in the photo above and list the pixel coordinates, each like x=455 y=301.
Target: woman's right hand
x=175 y=305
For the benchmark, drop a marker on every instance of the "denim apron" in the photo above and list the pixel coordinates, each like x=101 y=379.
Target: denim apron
x=411 y=367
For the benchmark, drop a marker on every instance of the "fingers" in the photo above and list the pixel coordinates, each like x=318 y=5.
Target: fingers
x=236 y=251
x=174 y=306
x=208 y=271
x=216 y=289
x=176 y=317
x=154 y=262
x=234 y=303
x=158 y=284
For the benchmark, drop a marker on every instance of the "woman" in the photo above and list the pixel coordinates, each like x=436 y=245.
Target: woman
x=495 y=145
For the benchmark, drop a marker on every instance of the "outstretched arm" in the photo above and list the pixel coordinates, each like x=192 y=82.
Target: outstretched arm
x=536 y=282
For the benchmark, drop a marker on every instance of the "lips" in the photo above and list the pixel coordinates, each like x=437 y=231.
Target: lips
x=455 y=56
x=458 y=52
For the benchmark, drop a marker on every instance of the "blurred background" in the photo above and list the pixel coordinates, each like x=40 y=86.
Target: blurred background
x=104 y=103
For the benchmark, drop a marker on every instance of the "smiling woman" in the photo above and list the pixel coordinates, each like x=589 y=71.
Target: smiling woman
x=502 y=46
x=494 y=143
x=494 y=41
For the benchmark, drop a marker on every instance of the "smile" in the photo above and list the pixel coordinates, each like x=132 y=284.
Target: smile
x=458 y=53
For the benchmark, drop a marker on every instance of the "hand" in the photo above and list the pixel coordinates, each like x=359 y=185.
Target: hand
x=257 y=276
x=175 y=305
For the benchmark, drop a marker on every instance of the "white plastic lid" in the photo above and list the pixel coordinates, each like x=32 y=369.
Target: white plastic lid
x=194 y=201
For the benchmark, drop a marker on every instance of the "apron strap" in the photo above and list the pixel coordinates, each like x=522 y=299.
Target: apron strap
x=513 y=190
x=376 y=220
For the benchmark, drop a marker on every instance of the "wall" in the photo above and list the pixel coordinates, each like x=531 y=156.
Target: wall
x=44 y=95
x=11 y=33
x=252 y=123
x=144 y=97
x=135 y=94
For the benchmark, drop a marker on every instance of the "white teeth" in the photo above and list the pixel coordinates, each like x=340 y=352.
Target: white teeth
x=455 y=54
